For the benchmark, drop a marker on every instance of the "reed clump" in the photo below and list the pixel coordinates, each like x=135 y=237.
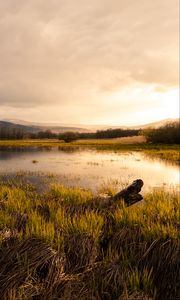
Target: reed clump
x=66 y=244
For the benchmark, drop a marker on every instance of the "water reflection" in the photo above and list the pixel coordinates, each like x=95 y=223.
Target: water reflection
x=89 y=168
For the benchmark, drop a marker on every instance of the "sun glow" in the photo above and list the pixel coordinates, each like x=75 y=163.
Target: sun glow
x=171 y=103
x=141 y=104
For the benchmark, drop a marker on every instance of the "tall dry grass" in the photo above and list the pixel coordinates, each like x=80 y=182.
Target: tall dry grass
x=67 y=245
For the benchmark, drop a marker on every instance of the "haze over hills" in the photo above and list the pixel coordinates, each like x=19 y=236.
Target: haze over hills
x=35 y=127
x=156 y=124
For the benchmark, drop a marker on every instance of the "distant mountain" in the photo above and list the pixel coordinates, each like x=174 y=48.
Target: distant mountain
x=60 y=129
x=9 y=125
x=29 y=123
x=143 y=126
x=34 y=127
x=156 y=124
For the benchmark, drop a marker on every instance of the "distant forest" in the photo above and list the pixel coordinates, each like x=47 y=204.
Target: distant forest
x=168 y=134
x=7 y=133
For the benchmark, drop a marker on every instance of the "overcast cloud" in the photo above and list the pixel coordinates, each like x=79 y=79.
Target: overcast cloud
x=82 y=61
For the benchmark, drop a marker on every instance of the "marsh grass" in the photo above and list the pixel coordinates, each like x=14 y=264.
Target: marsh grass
x=65 y=244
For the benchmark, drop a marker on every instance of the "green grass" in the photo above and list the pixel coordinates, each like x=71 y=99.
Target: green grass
x=66 y=244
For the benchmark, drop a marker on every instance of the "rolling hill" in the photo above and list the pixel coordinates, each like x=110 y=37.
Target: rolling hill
x=32 y=127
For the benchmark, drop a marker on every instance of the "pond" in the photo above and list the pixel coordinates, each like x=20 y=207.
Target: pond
x=89 y=168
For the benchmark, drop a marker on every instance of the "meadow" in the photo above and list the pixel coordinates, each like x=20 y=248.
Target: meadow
x=69 y=243
x=66 y=243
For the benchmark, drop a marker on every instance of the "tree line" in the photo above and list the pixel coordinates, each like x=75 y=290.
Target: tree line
x=99 y=134
x=18 y=134
x=168 y=134
x=12 y=133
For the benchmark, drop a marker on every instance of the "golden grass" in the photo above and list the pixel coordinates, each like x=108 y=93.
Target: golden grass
x=65 y=245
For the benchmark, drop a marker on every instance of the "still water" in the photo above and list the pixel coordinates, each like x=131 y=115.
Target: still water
x=90 y=168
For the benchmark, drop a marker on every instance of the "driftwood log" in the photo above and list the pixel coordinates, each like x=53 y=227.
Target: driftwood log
x=130 y=195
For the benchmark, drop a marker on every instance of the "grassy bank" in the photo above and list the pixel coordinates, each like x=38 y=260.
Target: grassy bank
x=65 y=244
x=166 y=152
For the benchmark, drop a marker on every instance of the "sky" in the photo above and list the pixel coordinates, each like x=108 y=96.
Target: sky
x=89 y=61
